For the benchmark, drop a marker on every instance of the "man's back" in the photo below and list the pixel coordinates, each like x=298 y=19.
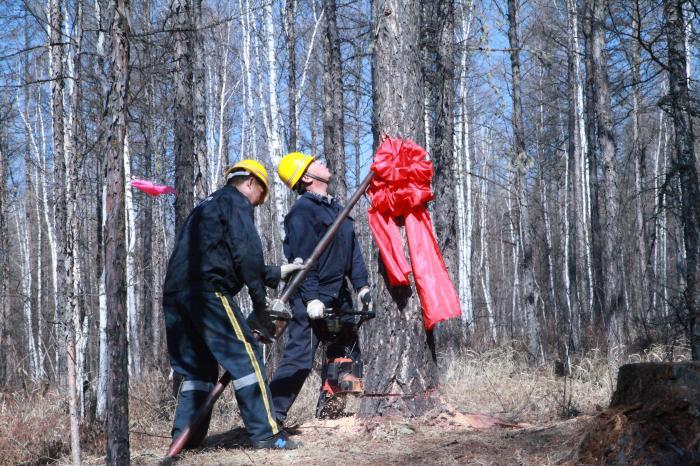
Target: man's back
x=203 y=259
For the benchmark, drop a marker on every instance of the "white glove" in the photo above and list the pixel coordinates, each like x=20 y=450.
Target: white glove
x=315 y=308
x=365 y=298
x=288 y=269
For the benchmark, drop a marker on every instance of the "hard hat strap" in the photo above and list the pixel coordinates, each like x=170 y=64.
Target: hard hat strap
x=317 y=178
x=238 y=173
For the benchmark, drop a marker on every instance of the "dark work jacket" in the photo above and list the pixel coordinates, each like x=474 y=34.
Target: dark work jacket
x=304 y=225
x=218 y=249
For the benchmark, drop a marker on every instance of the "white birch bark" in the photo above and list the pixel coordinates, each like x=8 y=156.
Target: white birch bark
x=308 y=58
x=248 y=133
x=26 y=284
x=223 y=99
x=38 y=186
x=103 y=355
x=582 y=144
x=657 y=210
x=484 y=261
x=464 y=193
x=132 y=304
x=275 y=138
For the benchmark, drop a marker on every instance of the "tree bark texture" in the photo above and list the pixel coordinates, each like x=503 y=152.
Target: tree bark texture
x=183 y=116
x=201 y=177
x=117 y=435
x=608 y=191
x=290 y=12
x=4 y=261
x=333 y=105
x=684 y=166
x=59 y=163
x=438 y=74
x=407 y=364
x=521 y=161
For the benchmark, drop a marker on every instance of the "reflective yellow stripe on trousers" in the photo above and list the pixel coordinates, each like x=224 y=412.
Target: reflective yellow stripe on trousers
x=253 y=360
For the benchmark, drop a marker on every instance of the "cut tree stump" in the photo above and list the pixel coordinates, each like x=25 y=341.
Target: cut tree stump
x=653 y=418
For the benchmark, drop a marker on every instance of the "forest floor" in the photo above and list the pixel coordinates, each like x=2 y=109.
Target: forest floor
x=502 y=412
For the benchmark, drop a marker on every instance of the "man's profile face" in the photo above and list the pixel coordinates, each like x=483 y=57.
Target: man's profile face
x=319 y=170
x=257 y=191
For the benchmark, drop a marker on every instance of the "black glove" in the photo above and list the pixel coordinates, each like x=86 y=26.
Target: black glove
x=262 y=326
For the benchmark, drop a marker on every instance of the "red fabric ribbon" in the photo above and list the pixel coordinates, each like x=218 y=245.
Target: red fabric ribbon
x=152 y=188
x=400 y=188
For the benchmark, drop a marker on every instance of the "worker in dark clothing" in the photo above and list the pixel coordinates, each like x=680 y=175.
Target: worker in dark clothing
x=218 y=251
x=326 y=283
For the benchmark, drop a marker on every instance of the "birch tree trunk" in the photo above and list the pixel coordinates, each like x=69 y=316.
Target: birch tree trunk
x=117 y=434
x=579 y=271
x=72 y=317
x=248 y=132
x=333 y=105
x=408 y=365
x=57 y=87
x=289 y=16
x=29 y=276
x=26 y=294
x=280 y=191
x=530 y=294
x=132 y=302
x=484 y=262
x=463 y=185
x=684 y=164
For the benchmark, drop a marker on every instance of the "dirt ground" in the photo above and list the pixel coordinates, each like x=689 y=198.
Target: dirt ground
x=448 y=439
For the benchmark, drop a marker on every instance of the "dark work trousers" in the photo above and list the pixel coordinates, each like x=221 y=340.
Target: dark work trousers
x=297 y=360
x=203 y=331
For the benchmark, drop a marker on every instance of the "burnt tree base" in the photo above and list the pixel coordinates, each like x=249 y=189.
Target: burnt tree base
x=653 y=418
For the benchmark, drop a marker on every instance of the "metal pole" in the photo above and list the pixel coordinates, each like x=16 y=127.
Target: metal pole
x=180 y=442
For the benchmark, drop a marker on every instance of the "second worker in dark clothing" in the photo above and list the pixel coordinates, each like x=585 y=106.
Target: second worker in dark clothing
x=217 y=252
x=326 y=283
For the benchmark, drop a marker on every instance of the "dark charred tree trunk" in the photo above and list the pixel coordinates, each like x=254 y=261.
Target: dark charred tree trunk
x=407 y=364
x=147 y=233
x=609 y=199
x=290 y=11
x=117 y=435
x=4 y=261
x=59 y=162
x=521 y=161
x=184 y=130
x=438 y=73
x=201 y=177
x=595 y=226
x=333 y=105
x=684 y=166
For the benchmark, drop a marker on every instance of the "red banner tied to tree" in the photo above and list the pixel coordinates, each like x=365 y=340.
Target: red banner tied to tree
x=401 y=188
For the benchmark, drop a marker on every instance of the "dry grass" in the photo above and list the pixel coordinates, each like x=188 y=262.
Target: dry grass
x=34 y=426
x=500 y=382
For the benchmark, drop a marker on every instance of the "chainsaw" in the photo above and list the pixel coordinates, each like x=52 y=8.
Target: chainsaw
x=341 y=374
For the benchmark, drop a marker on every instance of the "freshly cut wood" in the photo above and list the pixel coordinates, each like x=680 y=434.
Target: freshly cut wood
x=653 y=418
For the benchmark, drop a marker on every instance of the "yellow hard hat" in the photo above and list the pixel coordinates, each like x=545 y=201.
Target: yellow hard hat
x=292 y=167
x=253 y=167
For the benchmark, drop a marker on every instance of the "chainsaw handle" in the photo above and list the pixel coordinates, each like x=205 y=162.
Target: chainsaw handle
x=330 y=312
